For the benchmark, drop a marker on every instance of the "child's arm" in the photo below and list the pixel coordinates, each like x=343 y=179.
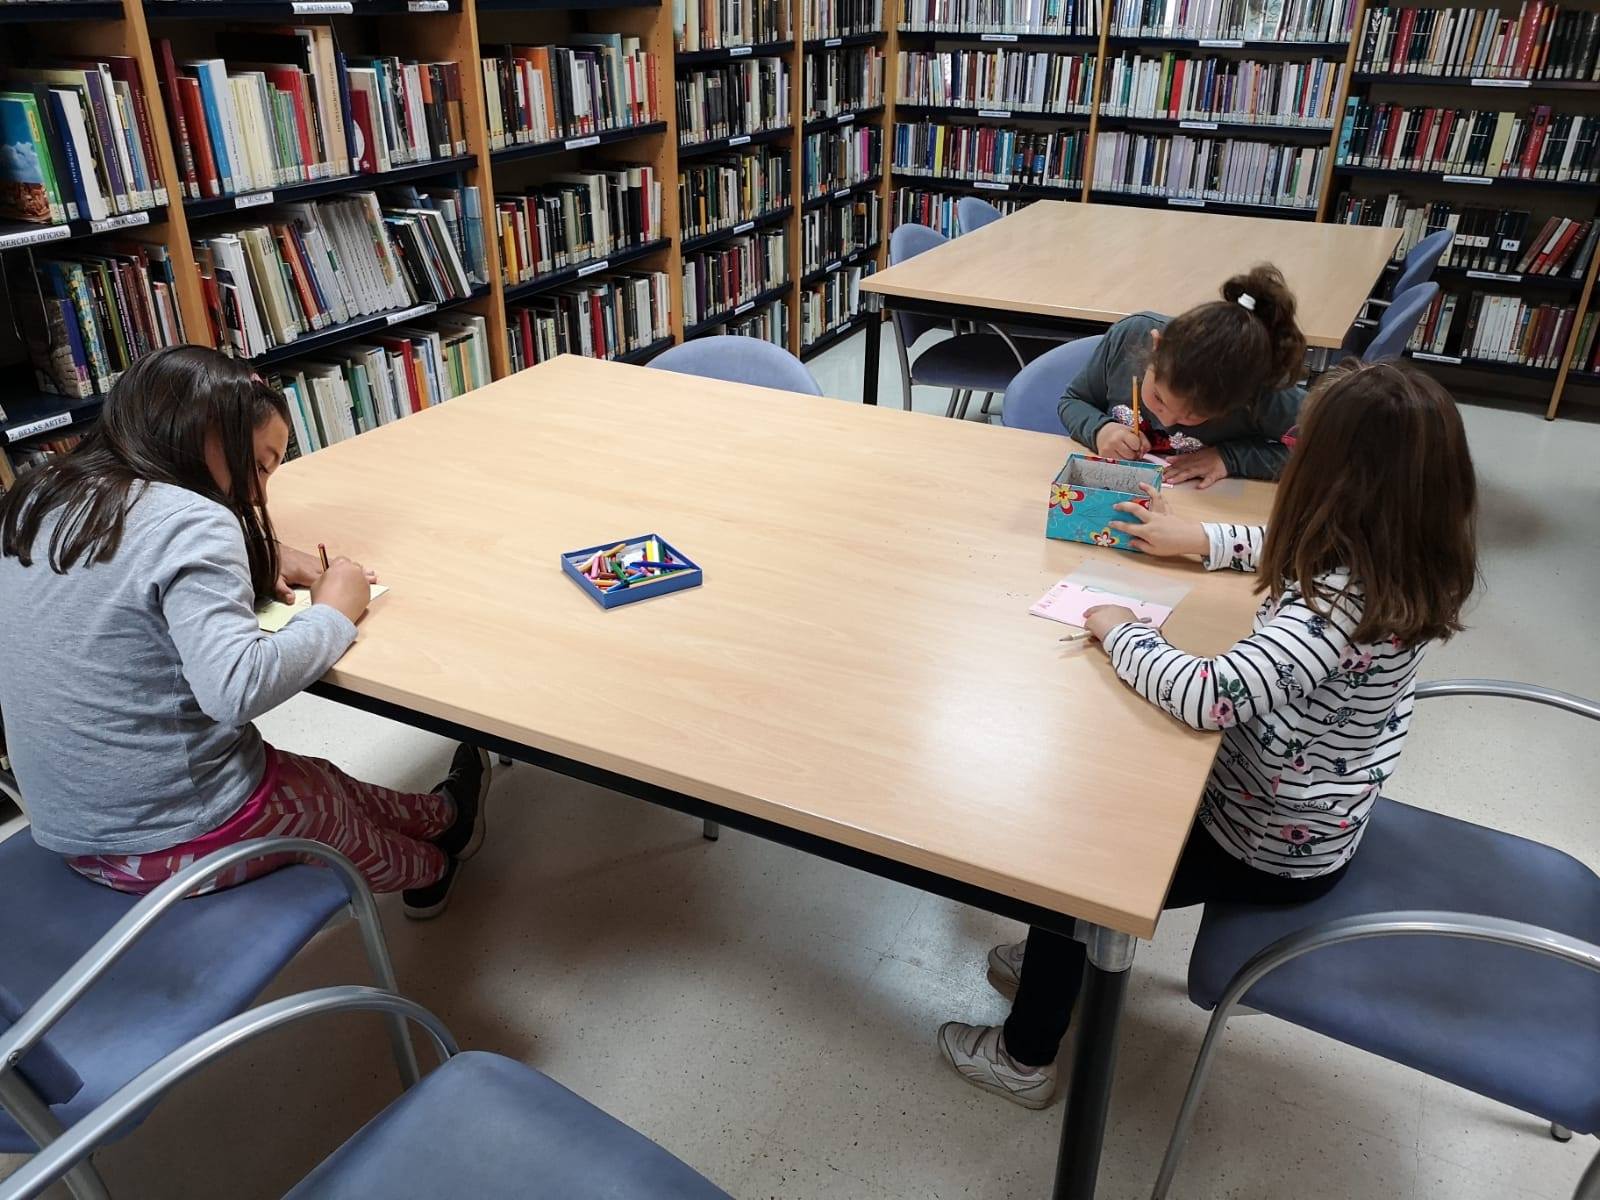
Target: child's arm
x=1236 y=547
x=1085 y=407
x=236 y=671
x=1294 y=652
x=1156 y=530
x=1253 y=458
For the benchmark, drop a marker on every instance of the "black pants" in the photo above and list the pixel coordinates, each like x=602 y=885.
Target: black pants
x=1052 y=966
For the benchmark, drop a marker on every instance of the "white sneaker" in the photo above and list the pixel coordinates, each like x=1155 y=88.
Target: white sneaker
x=1005 y=968
x=978 y=1052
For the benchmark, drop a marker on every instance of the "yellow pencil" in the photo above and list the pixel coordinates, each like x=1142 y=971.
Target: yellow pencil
x=1136 y=404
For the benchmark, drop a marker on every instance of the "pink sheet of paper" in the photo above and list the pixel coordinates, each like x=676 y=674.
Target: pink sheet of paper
x=1068 y=601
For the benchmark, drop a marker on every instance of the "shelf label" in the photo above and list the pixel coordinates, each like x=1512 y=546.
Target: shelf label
x=833 y=266
x=421 y=310
x=125 y=221
x=847 y=118
x=1468 y=179
x=1185 y=202
x=253 y=200
x=1222 y=43
x=312 y=8
x=830 y=43
x=1495 y=275
x=1510 y=83
x=1453 y=359
x=841 y=193
x=744 y=308
x=591 y=268
x=739 y=51
x=1197 y=124
x=997 y=37
x=1003 y=113
x=744 y=227
x=991 y=185
x=1510 y=245
x=580 y=142
x=428 y=6
x=742 y=140
x=32 y=237
x=59 y=421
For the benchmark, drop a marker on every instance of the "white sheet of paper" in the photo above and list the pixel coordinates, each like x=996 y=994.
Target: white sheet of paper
x=275 y=614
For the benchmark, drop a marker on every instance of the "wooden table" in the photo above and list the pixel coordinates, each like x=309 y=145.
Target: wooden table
x=1061 y=266
x=858 y=677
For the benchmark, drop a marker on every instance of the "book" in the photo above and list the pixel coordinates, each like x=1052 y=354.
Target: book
x=28 y=188
x=606 y=316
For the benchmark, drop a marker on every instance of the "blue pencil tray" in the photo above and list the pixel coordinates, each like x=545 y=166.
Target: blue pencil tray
x=572 y=560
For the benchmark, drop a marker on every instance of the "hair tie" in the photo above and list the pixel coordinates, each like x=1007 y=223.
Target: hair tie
x=1247 y=301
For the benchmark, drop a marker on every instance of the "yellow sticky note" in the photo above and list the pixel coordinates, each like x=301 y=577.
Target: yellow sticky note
x=275 y=614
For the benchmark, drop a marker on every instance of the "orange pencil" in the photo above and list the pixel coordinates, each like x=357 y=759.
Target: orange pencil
x=1136 y=404
x=323 y=552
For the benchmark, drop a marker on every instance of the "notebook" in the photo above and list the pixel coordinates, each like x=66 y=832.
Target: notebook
x=275 y=614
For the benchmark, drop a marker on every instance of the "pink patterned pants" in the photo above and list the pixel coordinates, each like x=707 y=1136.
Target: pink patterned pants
x=386 y=834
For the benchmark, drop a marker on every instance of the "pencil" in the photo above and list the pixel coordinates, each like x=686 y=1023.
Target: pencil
x=1076 y=637
x=1136 y=404
x=322 y=552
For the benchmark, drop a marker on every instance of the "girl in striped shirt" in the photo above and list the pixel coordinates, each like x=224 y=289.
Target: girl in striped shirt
x=1368 y=559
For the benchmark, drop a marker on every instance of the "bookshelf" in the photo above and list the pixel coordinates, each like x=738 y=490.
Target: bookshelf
x=833 y=163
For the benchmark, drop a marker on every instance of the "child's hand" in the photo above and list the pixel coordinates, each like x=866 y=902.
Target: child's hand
x=1103 y=618
x=1116 y=440
x=1157 y=532
x=1203 y=466
x=296 y=568
x=343 y=586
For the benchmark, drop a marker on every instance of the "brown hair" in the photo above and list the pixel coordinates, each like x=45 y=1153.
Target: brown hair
x=1223 y=354
x=153 y=428
x=1380 y=484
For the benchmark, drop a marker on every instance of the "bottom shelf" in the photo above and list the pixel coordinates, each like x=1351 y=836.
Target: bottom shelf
x=1483 y=364
x=834 y=336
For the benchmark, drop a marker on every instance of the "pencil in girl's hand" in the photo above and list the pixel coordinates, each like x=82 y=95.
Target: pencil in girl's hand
x=322 y=552
x=1136 y=404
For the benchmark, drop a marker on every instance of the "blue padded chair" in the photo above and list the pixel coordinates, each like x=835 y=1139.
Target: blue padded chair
x=479 y=1126
x=1417 y=269
x=1419 y=955
x=95 y=984
x=973 y=214
x=966 y=362
x=1033 y=401
x=739 y=360
x=1399 y=322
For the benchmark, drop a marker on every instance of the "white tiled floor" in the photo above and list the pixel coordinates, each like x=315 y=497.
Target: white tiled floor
x=769 y=1016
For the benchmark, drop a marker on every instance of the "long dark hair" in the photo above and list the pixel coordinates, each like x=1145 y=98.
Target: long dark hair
x=153 y=429
x=1380 y=484
x=1223 y=354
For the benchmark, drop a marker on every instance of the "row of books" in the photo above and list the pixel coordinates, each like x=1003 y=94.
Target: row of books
x=1586 y=354
x=733 y=273
x=990 y=155
x=15 y=461
x=77 y=142
x=721 y=193
x=1179 y=88
x=839 y=81
x=1538 y=144
x=86 y=317
x=937 y=210
x=831 y=303
x=1025 y=80
x=363 y=385
x=1498 y=240
x=1054 y=18
x=839 y=229
x=604 y=317
x=313 y=266
x=595 y=83
x=740 y=97
x=1493 y=328
x=838 y=158
x=718 y=24
x=577 y=217
x=1197 y=169
x=770 y=323
x=1247 y=20
x=1539 y=40
x=840 y=18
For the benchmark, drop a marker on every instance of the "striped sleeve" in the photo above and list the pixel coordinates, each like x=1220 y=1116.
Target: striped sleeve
x=1279 y=664
x=1235 y=547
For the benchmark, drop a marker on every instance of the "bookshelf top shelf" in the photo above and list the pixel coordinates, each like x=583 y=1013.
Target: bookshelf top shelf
x=283 y=10
x=71 y=10
x=610 y=136
x=328 y=187
x=702 y=58
x=762 y=137
x=1476 y=81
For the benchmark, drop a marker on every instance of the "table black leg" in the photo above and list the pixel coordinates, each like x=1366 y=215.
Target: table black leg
x=869 y=377
x=1094 y=1064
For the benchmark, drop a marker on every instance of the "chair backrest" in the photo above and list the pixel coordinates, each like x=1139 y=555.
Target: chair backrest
x=1420 y=263
x=908 y=241
x=1399 y=322
x=1034 y=398
x=739 y=359
x=973 y=214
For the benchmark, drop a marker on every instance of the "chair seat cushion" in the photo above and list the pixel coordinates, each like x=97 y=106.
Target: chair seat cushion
x=487 y=1127
x=981 y=362
x=202 y=963
x=1509 y=1024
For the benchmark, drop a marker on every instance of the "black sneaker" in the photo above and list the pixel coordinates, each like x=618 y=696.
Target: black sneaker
x=467 y=785
x=425 y=903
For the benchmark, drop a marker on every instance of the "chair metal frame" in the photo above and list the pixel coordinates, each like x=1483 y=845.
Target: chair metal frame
x=33 y=1114
x=72 y=1149
x=1517 y=934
